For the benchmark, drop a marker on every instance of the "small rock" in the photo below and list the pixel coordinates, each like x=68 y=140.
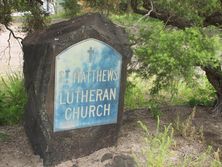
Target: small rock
x=106 y=157
x=123 y=161
x=108 y=165
x=119 y=161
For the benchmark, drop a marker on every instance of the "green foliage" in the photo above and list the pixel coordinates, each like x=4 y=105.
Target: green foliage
x=9 y=6
x=207 y=158
x=159 y=151
x=168 y=55
x=154 y=107
x=36 y=20
x=5 y=12
x=105 y=6
x=187 y=129
x=157 y=147
x=13 y=99
x=136 y=93
x=126 y=20
x=58 y=16
x=71 y=7
x=137 y=96
x=19 y=5
x=198 y=93
x=192 y=10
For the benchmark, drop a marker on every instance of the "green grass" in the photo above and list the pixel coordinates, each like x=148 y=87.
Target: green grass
x=138 y=95
x=200 y=93
x=12 y=99
x=157 y=147
x=186 y=128
x=58 y=16
x=159 y=151
x=125 y=19
x=207 y=158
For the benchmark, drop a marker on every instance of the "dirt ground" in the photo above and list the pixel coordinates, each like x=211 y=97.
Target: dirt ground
x=212 y=124
x=15 y=150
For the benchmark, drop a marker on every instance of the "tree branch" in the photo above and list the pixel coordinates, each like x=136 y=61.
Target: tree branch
x=148 y=13
x=13 y=34
x=170 y=19
x=9 y=47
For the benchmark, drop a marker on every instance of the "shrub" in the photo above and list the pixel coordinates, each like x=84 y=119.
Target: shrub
x=12 y=99
x=198 y=93
x=136 y=93
x=171 y=70
x=157 y=147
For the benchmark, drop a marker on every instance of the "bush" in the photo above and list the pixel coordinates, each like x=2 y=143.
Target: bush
x=168 y=57
x=157 y=147
x=136 y=93
x=71 y=7
x=12 y=99
x=198 y=93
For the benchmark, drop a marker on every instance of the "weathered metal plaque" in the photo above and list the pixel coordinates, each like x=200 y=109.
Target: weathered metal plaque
x=87 y=85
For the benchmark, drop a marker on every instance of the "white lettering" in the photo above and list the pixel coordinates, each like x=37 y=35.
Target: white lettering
x=105 y=95
x=106 y=109
x=61 y=102
x=84 y=96
x=97 y=111
x=68 y=114
x=92 y=110
x=69 y=97
x=112 y=94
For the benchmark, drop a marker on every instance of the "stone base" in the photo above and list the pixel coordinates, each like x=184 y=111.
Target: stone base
x=40 y=50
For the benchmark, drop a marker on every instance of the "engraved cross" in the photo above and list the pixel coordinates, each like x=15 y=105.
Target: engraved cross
x=67 y=73
x=91 y=53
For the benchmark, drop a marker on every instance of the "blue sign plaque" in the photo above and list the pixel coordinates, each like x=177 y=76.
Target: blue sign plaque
x=87 y=85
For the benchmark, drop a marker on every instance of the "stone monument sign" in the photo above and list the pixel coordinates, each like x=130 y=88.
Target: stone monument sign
x=75 y=76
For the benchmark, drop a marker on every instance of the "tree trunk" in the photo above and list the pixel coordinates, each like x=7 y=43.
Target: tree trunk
x=214 y=76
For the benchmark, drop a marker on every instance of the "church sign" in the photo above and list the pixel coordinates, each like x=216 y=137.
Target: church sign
x=75 y=77
x=87 y=85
